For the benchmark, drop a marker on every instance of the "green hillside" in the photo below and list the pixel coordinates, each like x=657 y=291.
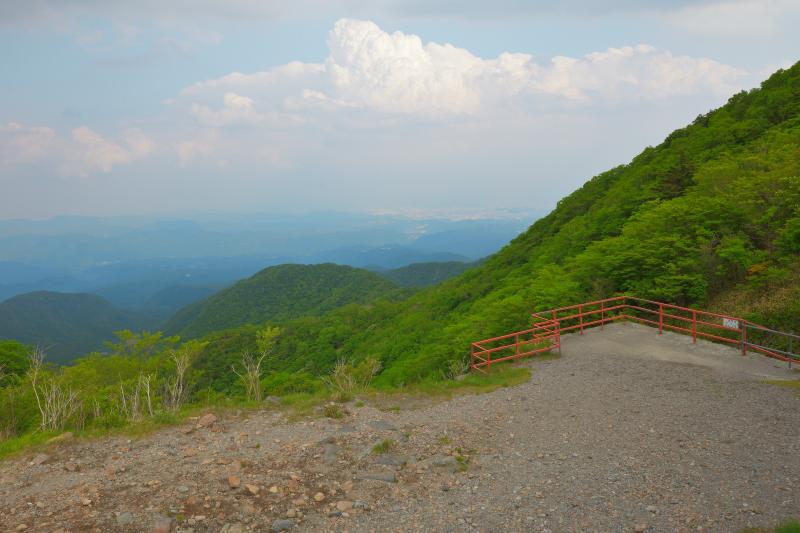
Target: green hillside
x=67 y=325
x=710 y=213
x=277 y=294
x=425 y=274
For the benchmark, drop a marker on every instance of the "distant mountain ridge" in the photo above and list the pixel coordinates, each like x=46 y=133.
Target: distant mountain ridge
x=280 y=293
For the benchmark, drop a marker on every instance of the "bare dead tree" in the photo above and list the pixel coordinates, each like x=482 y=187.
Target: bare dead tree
x=144 y=385
x=250 y=376
x=56 y=404
x=175 y=390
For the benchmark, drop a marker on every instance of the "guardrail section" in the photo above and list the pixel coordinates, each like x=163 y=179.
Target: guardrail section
x=545 y=333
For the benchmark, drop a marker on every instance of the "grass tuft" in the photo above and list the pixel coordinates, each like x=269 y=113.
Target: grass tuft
x=384 y=446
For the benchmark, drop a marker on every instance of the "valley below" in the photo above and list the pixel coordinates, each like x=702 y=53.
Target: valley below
x=626 y=431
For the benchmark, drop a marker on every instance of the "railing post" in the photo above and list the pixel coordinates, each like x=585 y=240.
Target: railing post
x=744 y=337
x=791 y=352
x=694 y=325
x=558 y=337
x=660 y=318
x=580 y=316
x=472 y=355
x=489 y=360
x=516 y=344
x=602 y=315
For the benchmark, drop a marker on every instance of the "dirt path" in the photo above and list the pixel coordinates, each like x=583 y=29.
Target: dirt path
x=628 y=431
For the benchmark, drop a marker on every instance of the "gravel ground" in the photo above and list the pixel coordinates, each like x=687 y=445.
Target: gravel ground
x=627 y=431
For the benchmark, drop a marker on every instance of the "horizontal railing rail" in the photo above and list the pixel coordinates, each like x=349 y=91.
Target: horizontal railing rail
x=548 y=326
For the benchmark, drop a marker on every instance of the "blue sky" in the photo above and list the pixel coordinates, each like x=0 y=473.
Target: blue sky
x=111 y=107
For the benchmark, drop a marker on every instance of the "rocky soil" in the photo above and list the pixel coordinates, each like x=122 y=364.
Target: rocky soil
x=627 y=431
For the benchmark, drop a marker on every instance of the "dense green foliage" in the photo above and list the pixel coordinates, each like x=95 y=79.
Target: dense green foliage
x=425 y=274
x=280 y=293
x=67 y=325
x=711 y=211
x=13 y=361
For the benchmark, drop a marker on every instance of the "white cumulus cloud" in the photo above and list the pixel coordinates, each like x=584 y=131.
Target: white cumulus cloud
x=397 y=73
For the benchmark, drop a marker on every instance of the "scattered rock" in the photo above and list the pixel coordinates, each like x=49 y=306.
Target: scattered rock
x=318 y=497
x=234 y=482
x=162 y=524
x=253 y=489
x=125 y=518
x=86 y=502
x=389 y=459
x=282 y=525
x=640 y=528
x=330 y=439
x=445 y=462
x=183 y=489
x=382 y=425
x=22 y=527
x=39 y=459
x=388 y=477
x=71 y=466
x=330 y=454
x=344 y=505
x=206 y=420
x=232 y=528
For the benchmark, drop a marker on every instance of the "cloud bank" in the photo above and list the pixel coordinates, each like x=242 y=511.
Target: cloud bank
x=396 y=73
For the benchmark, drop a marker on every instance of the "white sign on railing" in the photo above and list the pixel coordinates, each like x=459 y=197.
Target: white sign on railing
x=730 y=323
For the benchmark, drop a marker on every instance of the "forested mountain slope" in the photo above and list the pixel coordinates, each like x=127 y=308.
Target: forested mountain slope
x=66 y=325
x=709 y=213
x=277 y=294
x=425 y=274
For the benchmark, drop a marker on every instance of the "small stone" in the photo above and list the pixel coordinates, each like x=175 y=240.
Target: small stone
x=124 y=519
x=388 y=477
x=382 y=425
x=389 y=459
x=252 y=489
x=39 y=459
x=22 y=527
x=71 y=466
x=318 y=497
x=162 y=524
x=640 y=528
x=234 y=482
x=291 y=513
x=206 y=420
x=651 y=509
x=86 y=502
x=183 y=489
x=282 y=525
x=274 y=489
x=344 y=505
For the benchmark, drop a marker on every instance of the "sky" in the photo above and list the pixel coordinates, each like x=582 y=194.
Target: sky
x=155 y=107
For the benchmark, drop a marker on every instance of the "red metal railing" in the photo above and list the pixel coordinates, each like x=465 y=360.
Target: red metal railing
x=545 y=332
